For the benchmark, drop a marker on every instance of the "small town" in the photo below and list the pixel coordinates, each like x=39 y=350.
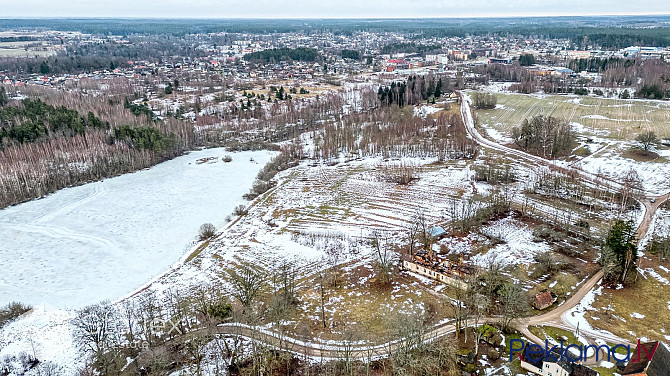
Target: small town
x=335 y=189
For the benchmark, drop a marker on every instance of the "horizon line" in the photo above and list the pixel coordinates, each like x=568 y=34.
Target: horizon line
x=417 y=17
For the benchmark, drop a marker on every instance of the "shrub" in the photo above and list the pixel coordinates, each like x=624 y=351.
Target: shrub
x=240 y=210
x=545 y=233
x=546 y=264
x=494 y=174
x=207 y=230
x=402 y=174
x=220 y=311
x=11 y=311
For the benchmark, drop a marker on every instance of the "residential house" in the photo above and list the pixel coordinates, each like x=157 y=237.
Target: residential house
x=544 y=300
x=536 y=363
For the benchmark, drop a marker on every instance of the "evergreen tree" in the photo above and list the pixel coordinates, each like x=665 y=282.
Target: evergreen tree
x=438 y=88
x=620 y=255
x=44 y=68
x=3 y=97
x=526 y=60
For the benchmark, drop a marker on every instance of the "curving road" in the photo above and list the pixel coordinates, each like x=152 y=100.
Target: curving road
x=557 y=317
x=554 y=318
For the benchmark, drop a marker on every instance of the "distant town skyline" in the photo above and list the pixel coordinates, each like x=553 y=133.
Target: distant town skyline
x=326 y=9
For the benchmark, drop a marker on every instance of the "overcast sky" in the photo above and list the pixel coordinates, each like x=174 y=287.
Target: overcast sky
x=324 y=8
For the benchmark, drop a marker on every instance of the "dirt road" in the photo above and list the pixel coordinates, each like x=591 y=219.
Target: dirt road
x=556 y=317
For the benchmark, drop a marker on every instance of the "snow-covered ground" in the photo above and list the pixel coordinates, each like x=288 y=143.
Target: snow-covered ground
x=101 y=240
x=576 y=318
x=46 y=334
x=655 y=176
x=518 y=246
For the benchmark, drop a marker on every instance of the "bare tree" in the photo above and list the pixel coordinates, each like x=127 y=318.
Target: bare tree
x=514 y=303
x=247 y=283
x=321 y=277
x=414 y=230
x=207 y=230
x=384 y=256
x=647 y=140
x=98 y=331
x=333 y=255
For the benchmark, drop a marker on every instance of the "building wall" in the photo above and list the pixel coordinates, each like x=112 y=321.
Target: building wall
x=446 y=279
x=531 y=368
x=553 y=369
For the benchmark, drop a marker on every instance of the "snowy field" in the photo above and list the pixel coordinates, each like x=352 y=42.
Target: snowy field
x=655 y=175
x=102 y=240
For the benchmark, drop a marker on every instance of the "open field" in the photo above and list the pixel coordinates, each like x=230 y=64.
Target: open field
x=605 y=131
x=614 y=118
x=321 y=219
x=642 y=310
x=20 y=52
x=639 y=311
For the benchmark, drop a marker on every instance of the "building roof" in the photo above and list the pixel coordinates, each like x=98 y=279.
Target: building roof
x=660 y=363
x=544 y=299
x=437 y=231
x=580 y=370
x=657 y=366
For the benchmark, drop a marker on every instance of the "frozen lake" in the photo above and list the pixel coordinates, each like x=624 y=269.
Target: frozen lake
x=102 y=240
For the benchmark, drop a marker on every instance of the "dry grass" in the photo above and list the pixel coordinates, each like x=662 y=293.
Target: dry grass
x=360 y=301
x=648 y=297
x=557 y=334
x=640 y=155
x=623 y=119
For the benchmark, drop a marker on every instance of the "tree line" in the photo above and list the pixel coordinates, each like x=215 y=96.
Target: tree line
x=414 y=91
x=283 y=54
x=545 y=136
x=33 y=119
x=55 y=140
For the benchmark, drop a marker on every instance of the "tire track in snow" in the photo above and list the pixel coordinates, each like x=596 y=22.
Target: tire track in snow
x=57 y=232
x=98 y=190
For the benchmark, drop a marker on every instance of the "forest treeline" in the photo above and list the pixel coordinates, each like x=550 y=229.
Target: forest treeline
x=33 y=119
x=89 y=57
x=415 y=90
x=395 y=132
x=412 y=48
x=582 y=31
x=53 y=140
x=283 y=54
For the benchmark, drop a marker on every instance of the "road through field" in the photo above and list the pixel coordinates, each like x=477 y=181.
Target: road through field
x=557 y=317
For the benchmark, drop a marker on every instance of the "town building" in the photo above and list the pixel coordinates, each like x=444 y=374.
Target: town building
x=536 y=363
